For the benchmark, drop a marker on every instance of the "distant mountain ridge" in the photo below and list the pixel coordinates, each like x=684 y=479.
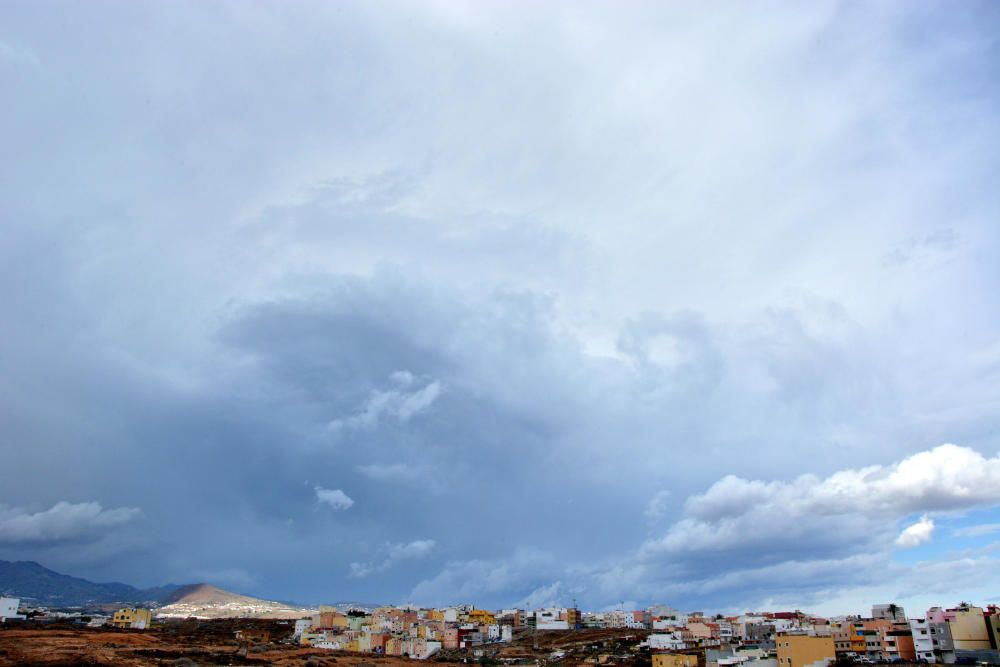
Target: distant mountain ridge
x=36 y=583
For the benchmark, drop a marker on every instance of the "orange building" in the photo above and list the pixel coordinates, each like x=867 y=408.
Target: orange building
x=330 y=617
x=898 y=645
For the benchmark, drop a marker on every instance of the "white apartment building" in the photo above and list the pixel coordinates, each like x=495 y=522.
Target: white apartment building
x=8 y=608
x=923 y=639
x=667 y=642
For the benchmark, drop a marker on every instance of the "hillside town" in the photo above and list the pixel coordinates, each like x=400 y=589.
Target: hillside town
x=962 y=635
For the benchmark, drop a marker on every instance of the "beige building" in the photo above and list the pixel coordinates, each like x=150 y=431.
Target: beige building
x=969 y=630
x=805 y=651
x=140 y=619
x=674 y=660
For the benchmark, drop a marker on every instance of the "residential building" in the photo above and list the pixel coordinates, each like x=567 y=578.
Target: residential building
x=675 y=660
x=481 y=617
x=923 y=641
x=899 y=645
x=301 y=625
x=890 y=612
x=944 y=647
x=331 y=617
x=804 y=651
x=842 y=632
x=662 y=642
x=703 y=630
x=132 y=617
x=968 y=629
x=8 y=608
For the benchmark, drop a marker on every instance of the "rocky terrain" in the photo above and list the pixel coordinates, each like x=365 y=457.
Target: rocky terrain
x=213 y=642
x=181 y=643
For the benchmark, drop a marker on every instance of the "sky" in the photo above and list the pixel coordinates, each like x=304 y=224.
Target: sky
x=505 y=303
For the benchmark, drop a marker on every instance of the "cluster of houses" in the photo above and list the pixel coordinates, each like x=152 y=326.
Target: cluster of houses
x=963 y=635
x=127 y=618
x=405 y=631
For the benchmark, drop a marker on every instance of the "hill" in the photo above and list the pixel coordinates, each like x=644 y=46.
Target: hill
x=39 y=585
x=206 y=601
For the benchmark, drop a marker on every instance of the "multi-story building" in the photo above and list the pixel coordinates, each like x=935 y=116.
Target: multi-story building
x=923 y=640
x=962 y=633
x=898 y=645
x=8 y=608
x=301 y=625
x=666 y=642
x=331 y=617
x=481 y=617
x=842 y=633
x=889 y=612
x=805 y=651
x=703 y=629
x=132 y=617
x=675 y=660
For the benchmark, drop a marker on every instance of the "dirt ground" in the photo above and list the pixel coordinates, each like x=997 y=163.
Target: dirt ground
x=183 y=644
x=188 y=643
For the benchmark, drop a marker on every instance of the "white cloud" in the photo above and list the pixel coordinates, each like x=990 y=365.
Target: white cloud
x=333 y=498
x=525 y=570
x=550 y=595
x=63 y=521
x=658 y=505
x=916 y=534
x=397 y=403
x=404 y=378
x=861 y=503
x=765 y=543
x=980 y=530
x=393 y=554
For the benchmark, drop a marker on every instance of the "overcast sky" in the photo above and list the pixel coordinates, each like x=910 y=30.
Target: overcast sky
x=505 y=303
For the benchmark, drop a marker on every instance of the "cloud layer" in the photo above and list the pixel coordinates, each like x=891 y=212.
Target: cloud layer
x=607 y=303
x=333 y=498
x=63 y=522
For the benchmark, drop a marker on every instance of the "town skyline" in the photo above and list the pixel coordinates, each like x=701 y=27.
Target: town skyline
x=660 y=634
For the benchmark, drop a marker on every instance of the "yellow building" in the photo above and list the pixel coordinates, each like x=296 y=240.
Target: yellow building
x=481 y=617
x=969 y=629
x=130 y=617
x=805 y=651
x=674 y=660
